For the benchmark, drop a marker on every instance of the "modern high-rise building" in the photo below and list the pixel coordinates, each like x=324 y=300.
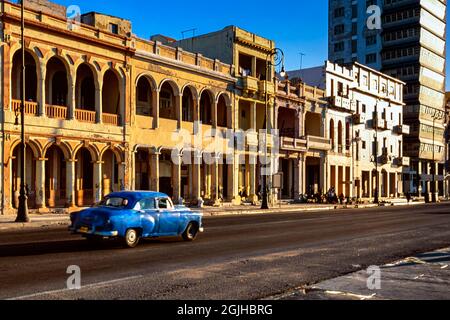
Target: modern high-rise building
x=408 y=44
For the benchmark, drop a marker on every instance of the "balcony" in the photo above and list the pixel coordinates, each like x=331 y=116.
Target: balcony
x=293 y=144
x=85 y=115
x=403 y=161
x=318 y=143
x=343 y=103
x=402 y=129
x=359 y=118
x=378 y=123
x=251 y=139
x=111 y=119
x=249 y=83
x=388 y=125
x=56 y=112
x=262 y=85
x=31 y=108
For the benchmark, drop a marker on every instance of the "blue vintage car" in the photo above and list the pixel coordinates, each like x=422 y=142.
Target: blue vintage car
x=131 y=215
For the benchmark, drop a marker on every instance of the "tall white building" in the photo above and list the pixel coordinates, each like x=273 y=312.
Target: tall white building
x=364 y=123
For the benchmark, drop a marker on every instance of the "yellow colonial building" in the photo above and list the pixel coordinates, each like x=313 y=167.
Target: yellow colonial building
x=107 y=111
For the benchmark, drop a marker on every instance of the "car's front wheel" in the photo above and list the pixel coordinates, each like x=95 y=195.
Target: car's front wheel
x=191 y=232
x=131 y=238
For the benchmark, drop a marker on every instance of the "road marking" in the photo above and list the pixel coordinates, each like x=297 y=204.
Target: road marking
x=89 y=286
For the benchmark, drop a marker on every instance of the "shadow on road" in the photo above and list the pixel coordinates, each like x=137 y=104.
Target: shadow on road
x=69 y=246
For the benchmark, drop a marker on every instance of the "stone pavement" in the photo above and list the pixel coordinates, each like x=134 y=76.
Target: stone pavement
x=61 y=216
x=422 y=277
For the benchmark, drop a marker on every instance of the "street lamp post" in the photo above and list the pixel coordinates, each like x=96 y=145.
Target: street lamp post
x=278 y=56
x=22 y=210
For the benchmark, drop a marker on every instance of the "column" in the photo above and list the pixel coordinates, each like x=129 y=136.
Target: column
x=70 y=182
x=435 y=185
x=197 y=179
x=322 y=173
x=41 y=91
x=298 y=170
x=419 y=178
x=253 y=115
x=176 y=180
x=179 y=109
x=98 y=104
x=71 y=103
x=214 y=114
x=154 y=171
x=97 y=181
x=121 y=172
x=155 y=108
x=388 y=184
x=215 y=181
x=303 y=175
x=289 y=177
x=40 y=183
x=252 y=183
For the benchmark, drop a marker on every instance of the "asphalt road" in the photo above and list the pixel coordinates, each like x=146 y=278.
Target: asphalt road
x=238 y=257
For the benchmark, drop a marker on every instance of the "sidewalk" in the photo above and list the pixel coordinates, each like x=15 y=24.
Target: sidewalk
x=422 y=277
x=60 y=217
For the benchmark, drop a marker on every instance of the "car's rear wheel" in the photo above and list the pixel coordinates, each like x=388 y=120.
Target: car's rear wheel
x=191 y=232
x=131 y=238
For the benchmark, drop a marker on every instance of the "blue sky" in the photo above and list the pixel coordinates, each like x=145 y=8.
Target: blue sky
x=296 y=25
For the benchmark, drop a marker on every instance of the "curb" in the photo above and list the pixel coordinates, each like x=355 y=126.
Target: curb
x=48 y=221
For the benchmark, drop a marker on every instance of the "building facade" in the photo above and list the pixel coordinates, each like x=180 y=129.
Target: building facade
x=107 y=111
x=408 y=43
x=352 y=135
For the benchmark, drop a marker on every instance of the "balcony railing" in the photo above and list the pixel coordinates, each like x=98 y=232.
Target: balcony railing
x=318 y=143
x=56 y=112
x=359 y=118
x=85 y=115
x=30 y=108
x=293 y=144
x=249 y=83
x=112 y=119
x=402 y=129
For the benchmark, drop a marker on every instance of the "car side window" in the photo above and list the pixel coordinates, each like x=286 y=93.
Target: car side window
x=164 y=203
x=146 y=204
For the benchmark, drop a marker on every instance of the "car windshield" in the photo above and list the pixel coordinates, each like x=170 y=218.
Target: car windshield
x=116 y=202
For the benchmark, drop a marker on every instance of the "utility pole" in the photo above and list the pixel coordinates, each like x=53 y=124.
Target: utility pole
x=376 y=200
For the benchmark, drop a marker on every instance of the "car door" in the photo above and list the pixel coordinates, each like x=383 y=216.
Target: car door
x=169 y=218
x=149 y=216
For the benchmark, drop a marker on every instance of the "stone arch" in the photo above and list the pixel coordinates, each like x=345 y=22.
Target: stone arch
x=168 y=95
x=207 y=104
x=145 y=88
x=32 y=77
x=189 y=102
x=86 y=83
x=224 y=112
x=92 y=148
x=172 y=83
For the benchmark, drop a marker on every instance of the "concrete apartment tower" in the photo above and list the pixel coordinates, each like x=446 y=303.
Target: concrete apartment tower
x=410 y=46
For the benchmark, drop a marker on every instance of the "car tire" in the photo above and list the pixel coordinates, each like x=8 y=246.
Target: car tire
x=131 y=238
x=191 y=232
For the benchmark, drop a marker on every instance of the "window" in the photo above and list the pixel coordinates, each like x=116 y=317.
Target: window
x=371 y=40
x=145 y=204
x=371 y=58
x=364 y=145
x=339 y=47
x=164 y=203
x=339 y=29
x=354 y=29
x=339 y=12
x=363 y=108
x=354 y=46
x=114 y=28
